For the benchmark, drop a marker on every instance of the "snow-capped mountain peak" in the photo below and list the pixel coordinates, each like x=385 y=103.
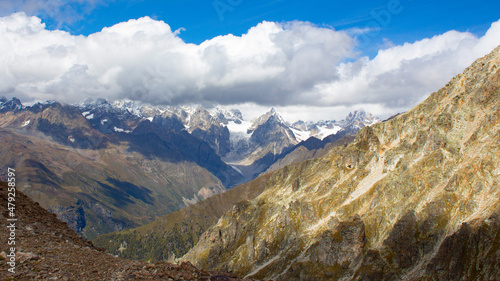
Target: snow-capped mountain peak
x=360 y=119
x=10 y=105
x=224 y=115
x=272 y=115
x=354 y=121
x=94 y=103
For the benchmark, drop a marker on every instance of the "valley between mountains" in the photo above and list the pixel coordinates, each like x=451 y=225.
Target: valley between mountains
x=415 y=197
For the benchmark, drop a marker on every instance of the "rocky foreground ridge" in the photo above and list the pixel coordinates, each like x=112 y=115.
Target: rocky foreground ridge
x=47 y=249
x=414 y=198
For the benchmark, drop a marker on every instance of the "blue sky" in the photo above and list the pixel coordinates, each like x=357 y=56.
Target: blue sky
x=310 y=60
x=205 y=19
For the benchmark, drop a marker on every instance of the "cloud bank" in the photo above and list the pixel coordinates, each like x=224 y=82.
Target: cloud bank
x=273 y=64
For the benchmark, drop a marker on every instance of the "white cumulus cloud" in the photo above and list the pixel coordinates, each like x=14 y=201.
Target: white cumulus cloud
x=401 y=76
x=292 y=65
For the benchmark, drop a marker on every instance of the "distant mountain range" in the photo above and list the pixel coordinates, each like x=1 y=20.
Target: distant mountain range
x=248 y=146
x=225 y=130
x=104 y=167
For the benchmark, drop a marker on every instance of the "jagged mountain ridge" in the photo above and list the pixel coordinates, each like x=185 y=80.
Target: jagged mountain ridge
x=239 y=141
x=249 y=146
x=352 y=123
x=127 y=113
x=412 y=198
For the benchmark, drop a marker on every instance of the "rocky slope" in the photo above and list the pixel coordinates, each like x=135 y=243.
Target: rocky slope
x=105 y=167
x=412 y=198
x=47 y=249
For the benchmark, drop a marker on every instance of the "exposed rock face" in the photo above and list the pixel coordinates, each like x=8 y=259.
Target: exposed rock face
x=359 y=119
x=47 y=249
x=351 y=124
x=106 y=118
x=272 y=139
x=412 y=198
x=12 y=105
x=209 y=129
x=271 y=130
x=480 y=242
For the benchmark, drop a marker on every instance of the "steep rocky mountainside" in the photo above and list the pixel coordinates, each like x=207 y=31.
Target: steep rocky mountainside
x=251 y=147
x=101 y=182
x=412 y=198
x=208 y=128
x=174 y=234
x=47 y=249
